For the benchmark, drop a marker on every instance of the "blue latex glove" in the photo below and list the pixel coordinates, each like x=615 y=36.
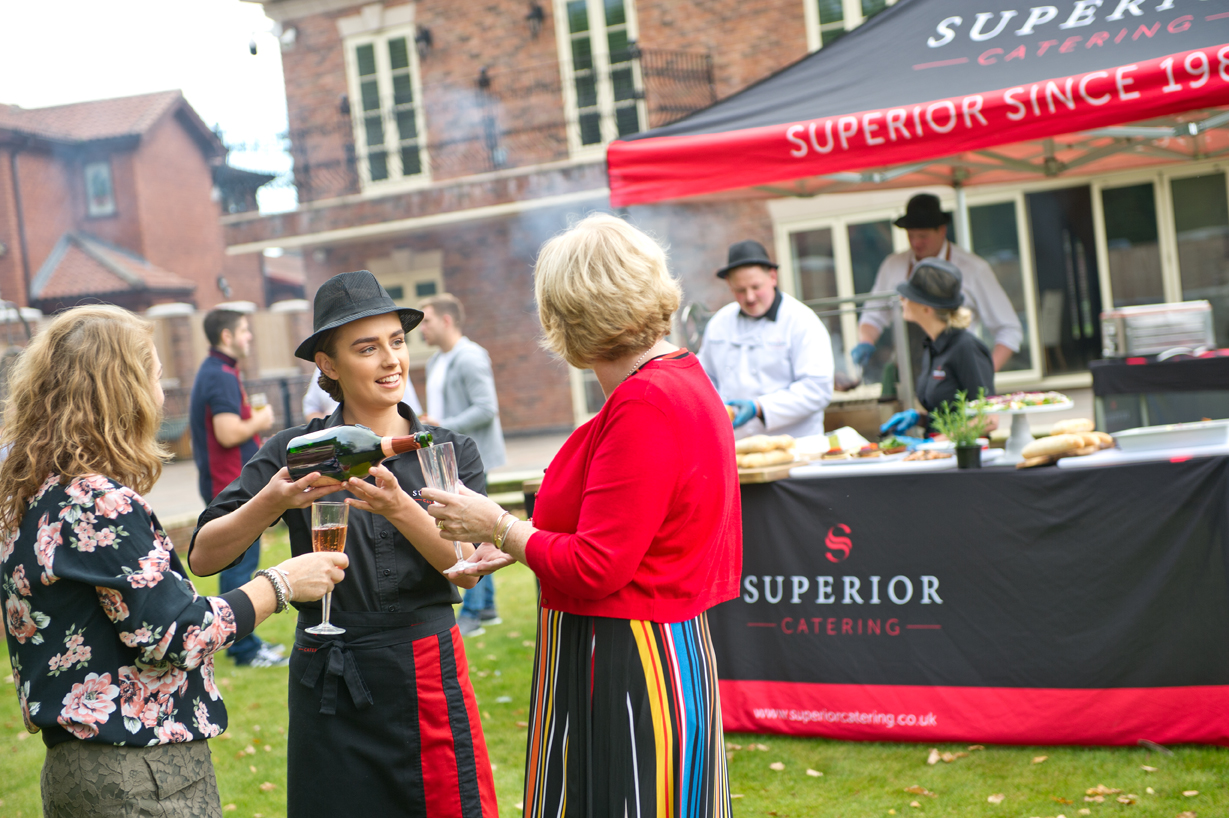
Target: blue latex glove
x=901 y=422
x=911 y=442
x=746 y=411
x=862 y=353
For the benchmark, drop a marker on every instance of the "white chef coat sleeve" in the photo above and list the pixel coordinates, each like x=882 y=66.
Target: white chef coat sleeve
x=810 y=351
x=891 y=272
x=708 y=358
x=992 y=305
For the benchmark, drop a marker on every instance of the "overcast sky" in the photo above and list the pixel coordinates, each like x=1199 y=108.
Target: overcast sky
x=54 y=52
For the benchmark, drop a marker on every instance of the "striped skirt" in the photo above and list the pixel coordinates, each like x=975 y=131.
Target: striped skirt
x=625 y=720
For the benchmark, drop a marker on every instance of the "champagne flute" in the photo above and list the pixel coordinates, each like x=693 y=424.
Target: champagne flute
x=329 y=521
x=439 y=469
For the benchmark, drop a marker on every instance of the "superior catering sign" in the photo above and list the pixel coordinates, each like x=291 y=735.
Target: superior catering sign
x=933 y=78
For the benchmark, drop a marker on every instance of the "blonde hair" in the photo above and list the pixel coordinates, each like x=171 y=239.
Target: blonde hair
x=603 y=290
x=959 y=318
x=81 y=401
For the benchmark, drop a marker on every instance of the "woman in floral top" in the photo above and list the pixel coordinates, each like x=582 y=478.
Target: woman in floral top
x=111 y=646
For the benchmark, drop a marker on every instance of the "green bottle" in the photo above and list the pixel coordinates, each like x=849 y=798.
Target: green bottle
x=342 y=452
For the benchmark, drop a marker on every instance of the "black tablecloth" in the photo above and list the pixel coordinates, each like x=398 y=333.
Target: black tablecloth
x=1115 y=376
x=1033 y=606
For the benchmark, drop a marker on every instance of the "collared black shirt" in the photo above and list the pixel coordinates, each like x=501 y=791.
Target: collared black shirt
x=386 y=574
x=771 y=314
x=954 y=362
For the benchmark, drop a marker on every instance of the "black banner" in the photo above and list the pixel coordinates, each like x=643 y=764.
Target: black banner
x=1083 y=581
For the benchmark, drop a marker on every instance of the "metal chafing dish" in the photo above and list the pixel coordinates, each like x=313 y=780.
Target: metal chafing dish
x=1152 y=329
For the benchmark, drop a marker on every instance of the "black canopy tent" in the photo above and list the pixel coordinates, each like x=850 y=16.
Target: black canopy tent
x=947 y=91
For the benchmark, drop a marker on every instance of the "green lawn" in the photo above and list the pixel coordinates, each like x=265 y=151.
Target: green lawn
x=859 y=779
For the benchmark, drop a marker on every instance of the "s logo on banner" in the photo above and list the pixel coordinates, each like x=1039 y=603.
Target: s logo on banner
x=838 y=546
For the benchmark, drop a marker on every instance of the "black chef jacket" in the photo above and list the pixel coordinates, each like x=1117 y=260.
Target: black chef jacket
x=954 y=362
x=386 y=572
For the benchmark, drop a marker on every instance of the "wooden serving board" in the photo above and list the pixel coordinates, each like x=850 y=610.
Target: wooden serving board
x=767 y=474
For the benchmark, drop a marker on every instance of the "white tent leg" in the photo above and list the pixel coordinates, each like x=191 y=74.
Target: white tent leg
x=964 y=234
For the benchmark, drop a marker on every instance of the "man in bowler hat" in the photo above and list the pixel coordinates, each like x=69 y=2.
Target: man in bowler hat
x=926 y=224
x=768 y=355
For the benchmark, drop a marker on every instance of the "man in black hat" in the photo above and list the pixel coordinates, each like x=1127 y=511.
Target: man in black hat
x=768 y=355
x=926 y=224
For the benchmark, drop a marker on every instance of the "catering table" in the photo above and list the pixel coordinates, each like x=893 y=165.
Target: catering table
x=1048 y=606
x=1135 y=392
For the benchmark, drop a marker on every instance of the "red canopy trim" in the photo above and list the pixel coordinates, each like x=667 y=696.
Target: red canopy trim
x=655 y=169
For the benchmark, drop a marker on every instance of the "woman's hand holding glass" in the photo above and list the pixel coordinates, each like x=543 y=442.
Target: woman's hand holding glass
x=469 y=517
x=311 y=576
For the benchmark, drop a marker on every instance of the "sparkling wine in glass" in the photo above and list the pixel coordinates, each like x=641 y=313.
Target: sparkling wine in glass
x=329 y=521
x=439 y=469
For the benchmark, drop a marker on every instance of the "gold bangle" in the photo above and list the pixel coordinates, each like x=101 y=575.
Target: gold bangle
x=502 y=537
x=495 y=530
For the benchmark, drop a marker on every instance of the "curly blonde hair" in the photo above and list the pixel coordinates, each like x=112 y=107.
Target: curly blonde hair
x=959 y=318
x=603 y=290
x=81 y=401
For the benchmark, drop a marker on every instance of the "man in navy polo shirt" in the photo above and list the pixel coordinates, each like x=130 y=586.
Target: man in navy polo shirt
x=225 y=435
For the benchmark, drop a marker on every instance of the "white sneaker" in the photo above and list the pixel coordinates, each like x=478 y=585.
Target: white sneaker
x=267 y=657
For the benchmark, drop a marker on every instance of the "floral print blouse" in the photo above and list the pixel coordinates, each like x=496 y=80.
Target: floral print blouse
x=109 y=641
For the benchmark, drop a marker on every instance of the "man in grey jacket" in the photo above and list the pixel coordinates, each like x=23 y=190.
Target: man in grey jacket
x=461 y=397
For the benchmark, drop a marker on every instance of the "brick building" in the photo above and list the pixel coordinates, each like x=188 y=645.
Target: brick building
x=438 y=144
x=116 y=200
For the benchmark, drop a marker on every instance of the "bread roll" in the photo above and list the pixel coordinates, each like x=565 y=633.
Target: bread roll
x=1103 y=440
x=1052 y=445
x=763 y=443
x=1072 y=426
x=759 y=460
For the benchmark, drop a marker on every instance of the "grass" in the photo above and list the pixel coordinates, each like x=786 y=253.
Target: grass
x=859 y=779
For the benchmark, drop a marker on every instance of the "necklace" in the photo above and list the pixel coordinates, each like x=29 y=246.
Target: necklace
x=639 y=362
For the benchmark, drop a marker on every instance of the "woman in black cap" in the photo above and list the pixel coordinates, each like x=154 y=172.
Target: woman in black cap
x=953 y=359
x=383 y=719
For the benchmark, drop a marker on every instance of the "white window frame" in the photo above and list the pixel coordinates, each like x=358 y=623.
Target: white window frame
x=851 y=11
x=392 y=146
x=111 y=206
x=600 y=52
x=842 y=259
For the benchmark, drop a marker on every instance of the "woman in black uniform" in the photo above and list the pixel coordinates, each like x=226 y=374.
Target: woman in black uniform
x=383 y=720
x=953 y=359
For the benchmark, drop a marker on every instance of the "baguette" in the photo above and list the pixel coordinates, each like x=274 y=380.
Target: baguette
x=1103 y=440
x=763 y=443
x=759 y=460
x=1072 y=426
x=1029 y=462
x=1053 y=445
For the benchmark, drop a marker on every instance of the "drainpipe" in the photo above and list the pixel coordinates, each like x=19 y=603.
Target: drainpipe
x=21 y=236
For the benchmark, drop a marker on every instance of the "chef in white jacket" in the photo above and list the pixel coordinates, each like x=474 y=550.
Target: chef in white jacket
x=768 y=355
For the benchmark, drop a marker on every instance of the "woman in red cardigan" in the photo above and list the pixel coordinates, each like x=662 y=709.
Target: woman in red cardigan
x=637 y=531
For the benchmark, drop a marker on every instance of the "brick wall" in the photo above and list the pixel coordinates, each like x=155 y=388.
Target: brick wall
x=179 y=218
x=12 y=282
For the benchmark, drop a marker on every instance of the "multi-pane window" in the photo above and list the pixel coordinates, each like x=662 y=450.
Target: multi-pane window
x=99 y=191
x=827 y=20
x=601 y=71
x=387 y=107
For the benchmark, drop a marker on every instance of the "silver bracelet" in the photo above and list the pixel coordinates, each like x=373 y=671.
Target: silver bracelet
x=285 y=575
x=278 y=591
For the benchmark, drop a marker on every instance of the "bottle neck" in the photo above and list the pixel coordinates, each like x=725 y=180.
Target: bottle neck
x=399 y=444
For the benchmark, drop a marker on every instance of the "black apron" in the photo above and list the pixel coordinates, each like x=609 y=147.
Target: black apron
x=357 y=742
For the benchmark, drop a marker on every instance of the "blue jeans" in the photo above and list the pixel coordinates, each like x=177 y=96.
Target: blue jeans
x=479 y=598
x=228 y=580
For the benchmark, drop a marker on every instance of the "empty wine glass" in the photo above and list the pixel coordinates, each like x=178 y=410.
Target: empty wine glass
x=439 y=469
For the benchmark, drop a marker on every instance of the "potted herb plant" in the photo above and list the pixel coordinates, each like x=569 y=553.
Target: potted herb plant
x=963 y=422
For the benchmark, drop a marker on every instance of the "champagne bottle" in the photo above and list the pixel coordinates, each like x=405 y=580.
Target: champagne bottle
x=342 y=452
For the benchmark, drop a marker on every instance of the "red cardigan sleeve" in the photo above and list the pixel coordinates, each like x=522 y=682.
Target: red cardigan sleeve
x=629 y=485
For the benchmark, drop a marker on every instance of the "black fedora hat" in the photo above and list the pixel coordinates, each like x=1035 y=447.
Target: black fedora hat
x=744 y=253
x=923 y=210
x=934 y=283
x=348 y=297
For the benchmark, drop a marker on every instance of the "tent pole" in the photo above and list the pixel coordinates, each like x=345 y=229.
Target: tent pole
x=963 y=232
